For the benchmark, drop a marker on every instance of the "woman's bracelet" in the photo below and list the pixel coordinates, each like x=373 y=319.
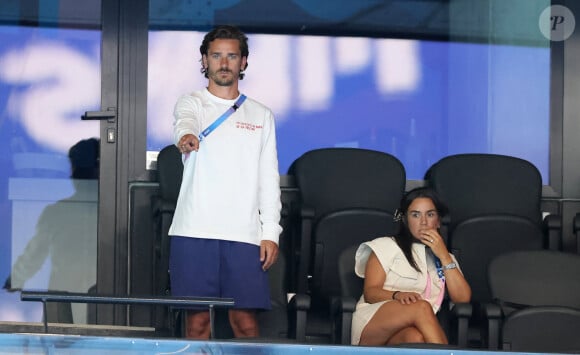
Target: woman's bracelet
x=394 y=294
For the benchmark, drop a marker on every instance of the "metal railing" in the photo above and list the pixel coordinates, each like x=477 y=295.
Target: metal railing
x=173 y=301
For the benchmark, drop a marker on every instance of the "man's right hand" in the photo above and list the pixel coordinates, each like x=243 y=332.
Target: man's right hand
x=188 y=143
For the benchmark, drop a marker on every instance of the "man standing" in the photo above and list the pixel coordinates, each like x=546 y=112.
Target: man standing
x=226 y=226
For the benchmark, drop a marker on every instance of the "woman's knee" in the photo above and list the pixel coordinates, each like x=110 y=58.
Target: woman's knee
x=424 y=308
x=413 y=335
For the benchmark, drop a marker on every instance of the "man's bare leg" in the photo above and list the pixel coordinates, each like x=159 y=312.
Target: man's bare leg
x=244 y=323
x=197 y=325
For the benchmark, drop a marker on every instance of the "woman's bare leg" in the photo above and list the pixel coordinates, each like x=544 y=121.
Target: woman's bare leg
x=393 y=317
x=405 y=336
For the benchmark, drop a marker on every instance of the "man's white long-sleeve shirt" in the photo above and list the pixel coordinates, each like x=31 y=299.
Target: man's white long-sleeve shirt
x=235 y=190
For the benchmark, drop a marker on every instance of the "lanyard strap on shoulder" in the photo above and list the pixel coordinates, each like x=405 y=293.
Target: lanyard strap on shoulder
x=223 y=117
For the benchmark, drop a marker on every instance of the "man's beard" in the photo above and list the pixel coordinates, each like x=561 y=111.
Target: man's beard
x=229 y=81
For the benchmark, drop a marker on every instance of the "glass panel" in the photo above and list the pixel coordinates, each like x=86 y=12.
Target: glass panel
x=49 y=76
x=419 y=100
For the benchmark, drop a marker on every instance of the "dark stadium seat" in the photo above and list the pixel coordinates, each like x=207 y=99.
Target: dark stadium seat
x=536 y=301
x=494 y=208
x=346 y=196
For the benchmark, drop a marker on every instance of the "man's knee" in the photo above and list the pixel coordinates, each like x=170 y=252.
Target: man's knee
x=244 y=323
x=198 y=325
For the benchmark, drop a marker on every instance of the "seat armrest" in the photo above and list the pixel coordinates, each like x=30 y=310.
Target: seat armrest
x=493 y=316
x=342 y=309
x=461 y=313
x=297 y=315
x=300 y=302
x=492 y=311
x=576 y=224
x=552 y=225
x=347 y=304
x=464 y=310
x=285 y=210
x=306 y=214
x=160 y=205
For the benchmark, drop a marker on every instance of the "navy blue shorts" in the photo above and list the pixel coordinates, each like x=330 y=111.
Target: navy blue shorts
x=219 y=268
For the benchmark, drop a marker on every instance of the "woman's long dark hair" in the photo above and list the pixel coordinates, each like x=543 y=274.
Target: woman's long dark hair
x=404 y=238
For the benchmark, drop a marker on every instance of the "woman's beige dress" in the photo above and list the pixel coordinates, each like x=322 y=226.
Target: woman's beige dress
x=401 y=276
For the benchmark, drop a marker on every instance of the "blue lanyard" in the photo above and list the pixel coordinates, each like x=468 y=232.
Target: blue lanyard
x=440 y=272
x=222 y=118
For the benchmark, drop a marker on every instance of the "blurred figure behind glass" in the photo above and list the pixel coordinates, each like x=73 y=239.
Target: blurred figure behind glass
x=66 y=235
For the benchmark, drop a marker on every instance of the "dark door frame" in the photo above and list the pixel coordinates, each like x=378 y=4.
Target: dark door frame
x=124 y=88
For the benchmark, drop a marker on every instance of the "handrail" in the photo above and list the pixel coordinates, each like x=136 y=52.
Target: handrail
x=176 y=302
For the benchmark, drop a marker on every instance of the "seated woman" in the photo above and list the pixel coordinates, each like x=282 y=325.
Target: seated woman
x=406 y=277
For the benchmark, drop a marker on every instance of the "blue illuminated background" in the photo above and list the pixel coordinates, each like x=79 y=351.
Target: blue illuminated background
x=418 y=100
